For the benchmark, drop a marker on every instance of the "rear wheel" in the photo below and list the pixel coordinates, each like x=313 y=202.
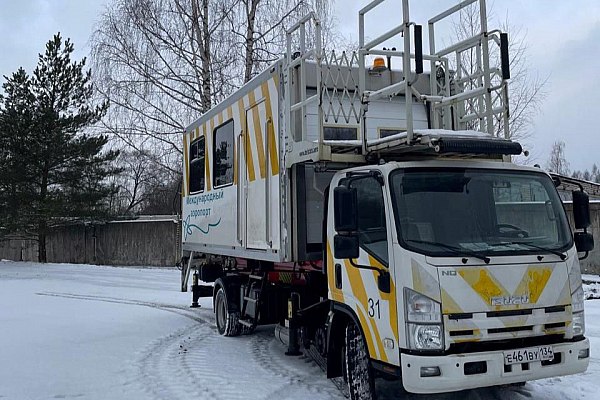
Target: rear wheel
x=357 y=371
x=227 y=321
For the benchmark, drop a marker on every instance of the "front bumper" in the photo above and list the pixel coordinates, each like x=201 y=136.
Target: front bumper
x=452 y=369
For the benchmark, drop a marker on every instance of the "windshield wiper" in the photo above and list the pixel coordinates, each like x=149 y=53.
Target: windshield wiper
x=562 y=256
x=456 y=250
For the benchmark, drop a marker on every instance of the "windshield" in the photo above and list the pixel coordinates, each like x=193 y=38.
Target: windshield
x=450 y=212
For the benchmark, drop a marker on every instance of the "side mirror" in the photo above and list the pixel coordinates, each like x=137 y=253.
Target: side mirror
x=384 y=281
x=581 y=210
x=584 y=242
x=345 y=246
x=345 y=209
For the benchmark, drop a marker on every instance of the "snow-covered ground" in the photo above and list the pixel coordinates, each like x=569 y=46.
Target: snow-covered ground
x=591 y=286
x=90 y=332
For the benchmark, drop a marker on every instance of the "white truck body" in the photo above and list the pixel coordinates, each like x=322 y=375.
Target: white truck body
x=359 y=210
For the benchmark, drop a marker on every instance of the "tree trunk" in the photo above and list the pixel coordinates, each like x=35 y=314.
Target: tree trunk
x=43 y=223
x=250 y=40
x=201 y=28
x=42 y=243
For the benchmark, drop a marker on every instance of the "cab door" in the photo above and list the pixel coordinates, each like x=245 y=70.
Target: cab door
x=357 y=287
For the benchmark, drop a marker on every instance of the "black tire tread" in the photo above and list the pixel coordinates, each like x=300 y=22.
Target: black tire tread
x=358 y=370
x=232 y=325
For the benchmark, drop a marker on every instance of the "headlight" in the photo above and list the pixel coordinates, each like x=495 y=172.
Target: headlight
x=577 y=300
x=578 y=324
x=424 y=321
x=420 y=308
x=425 y=337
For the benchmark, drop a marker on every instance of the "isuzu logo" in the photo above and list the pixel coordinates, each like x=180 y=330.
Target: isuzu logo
x=510 y=300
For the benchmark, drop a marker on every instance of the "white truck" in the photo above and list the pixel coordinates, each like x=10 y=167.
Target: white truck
x=373 y=215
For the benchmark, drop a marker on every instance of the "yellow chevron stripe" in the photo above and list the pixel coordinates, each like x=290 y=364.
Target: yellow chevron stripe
x=417 y=281
x=534 y=282
x=484 y=284
x=365 y=327
x=336 y=294
x=206 y=153
x=220 y=118
x=186 y=166
x=273 y=156
x=389 y=297
x=449 y=306
x=260 y=146
x=358 y=289
x=247 y=149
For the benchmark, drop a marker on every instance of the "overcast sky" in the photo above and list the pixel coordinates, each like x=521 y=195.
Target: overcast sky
x=563 y=39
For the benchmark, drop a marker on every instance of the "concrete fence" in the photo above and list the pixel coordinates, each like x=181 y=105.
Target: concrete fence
x=152 y=241
x=155 y=241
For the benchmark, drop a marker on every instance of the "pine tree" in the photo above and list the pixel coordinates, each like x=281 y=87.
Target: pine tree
x=56 y=171
x=16 y=118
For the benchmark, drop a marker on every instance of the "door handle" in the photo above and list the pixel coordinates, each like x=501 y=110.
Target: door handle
x=338 y=276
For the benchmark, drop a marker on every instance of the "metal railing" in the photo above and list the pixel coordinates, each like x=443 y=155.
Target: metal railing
x=368 y=48
x=470 y=95
x=462 y=96
x=309 y=48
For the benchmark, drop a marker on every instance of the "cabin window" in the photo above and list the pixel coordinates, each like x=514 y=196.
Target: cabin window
x=340 y=133
x=197 y=165
x=223 y=154
x=385 y=132
x=372 y=230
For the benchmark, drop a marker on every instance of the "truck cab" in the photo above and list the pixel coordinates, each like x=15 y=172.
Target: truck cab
x=456 y=270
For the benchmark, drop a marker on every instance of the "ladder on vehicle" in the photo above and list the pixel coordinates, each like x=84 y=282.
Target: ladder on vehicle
x=467 y=88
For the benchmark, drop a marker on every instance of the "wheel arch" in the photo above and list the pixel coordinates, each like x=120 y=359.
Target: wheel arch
x=339 y=317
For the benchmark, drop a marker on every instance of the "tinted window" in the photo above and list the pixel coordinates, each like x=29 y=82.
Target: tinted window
x=383 y=133
x=196 y=167
x=340 y=133
x=223 y=154
x=439 y=211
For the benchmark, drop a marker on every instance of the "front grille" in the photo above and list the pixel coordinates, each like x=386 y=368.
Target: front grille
x=555 y=309
x=508 y=324
x=555 y=325
x=462 y=333
x=509 y=313
x=460 y=316
x=511 y=329
x=496 y=345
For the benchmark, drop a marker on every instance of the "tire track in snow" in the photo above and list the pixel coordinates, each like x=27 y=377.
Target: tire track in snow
x=166 y=368
x=299 y=380
x=180 y=310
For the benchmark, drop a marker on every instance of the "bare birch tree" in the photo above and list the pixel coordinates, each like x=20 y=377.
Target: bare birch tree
x=526 y=87
x=154 y=63
x=558 y=161
x=163 y=63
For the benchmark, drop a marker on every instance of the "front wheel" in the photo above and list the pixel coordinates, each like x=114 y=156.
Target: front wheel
x=358 y=372
x=227 y=321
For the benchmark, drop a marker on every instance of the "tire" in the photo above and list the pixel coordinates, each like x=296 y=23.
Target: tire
x=357 y=371
x=226 y=321
x=247 y=330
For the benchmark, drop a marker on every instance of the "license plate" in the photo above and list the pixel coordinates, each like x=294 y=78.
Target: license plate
x=541 y=353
